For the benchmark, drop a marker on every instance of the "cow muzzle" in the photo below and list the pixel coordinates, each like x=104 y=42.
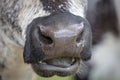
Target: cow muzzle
x=55 y=44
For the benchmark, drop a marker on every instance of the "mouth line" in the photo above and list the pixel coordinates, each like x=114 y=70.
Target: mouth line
x=48 y=62
x=45 y=65
x=46 y=70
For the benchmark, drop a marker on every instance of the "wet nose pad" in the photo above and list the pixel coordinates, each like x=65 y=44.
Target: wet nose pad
x=65 y=47
x=66 y=43
x=45 y=37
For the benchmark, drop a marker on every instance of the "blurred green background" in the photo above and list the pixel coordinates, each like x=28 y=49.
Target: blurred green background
x=55 y=78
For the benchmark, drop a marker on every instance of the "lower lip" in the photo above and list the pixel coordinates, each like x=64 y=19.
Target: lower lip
x=50 y=68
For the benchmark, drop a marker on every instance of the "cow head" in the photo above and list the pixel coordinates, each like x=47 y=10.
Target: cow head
x=57 y=34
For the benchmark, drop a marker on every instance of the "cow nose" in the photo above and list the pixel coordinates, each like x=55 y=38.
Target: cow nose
x=60 y=35
x=48 y=35
x=45 y=37
x=66 y=42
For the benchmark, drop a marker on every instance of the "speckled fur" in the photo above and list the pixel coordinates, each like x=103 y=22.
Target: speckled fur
x=15 y=15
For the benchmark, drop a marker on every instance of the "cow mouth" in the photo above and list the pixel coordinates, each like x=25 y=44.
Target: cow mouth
x=57 y=66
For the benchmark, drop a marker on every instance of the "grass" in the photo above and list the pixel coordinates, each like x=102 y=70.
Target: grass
x=55 y=78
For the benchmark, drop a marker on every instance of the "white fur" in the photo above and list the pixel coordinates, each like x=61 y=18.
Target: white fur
x=78 y=7
x=31 y=9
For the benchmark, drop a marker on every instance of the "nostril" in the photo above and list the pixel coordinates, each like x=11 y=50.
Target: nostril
x=43 y=37
x=79 y=37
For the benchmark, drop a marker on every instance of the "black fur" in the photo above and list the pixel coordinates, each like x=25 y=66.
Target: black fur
x=54 y=5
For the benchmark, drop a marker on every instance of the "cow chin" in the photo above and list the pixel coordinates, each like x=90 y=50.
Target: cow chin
x=58 y=66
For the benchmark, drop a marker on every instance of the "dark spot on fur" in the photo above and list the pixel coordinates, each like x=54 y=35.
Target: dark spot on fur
x=54 y=5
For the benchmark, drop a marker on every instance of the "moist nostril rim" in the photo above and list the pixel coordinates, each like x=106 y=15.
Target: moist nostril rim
x=79 y=37
x=44 y=38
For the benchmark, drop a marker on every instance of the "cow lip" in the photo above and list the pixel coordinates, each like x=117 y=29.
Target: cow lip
x=48 y=70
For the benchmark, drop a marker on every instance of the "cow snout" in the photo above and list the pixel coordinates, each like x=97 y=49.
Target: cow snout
x=55 y=44
x=56 y=36
x=60 y=42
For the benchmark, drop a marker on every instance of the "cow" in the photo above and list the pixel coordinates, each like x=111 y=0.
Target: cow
x=54 y=36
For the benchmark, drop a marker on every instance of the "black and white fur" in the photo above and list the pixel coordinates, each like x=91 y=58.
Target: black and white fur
x=17 y=14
